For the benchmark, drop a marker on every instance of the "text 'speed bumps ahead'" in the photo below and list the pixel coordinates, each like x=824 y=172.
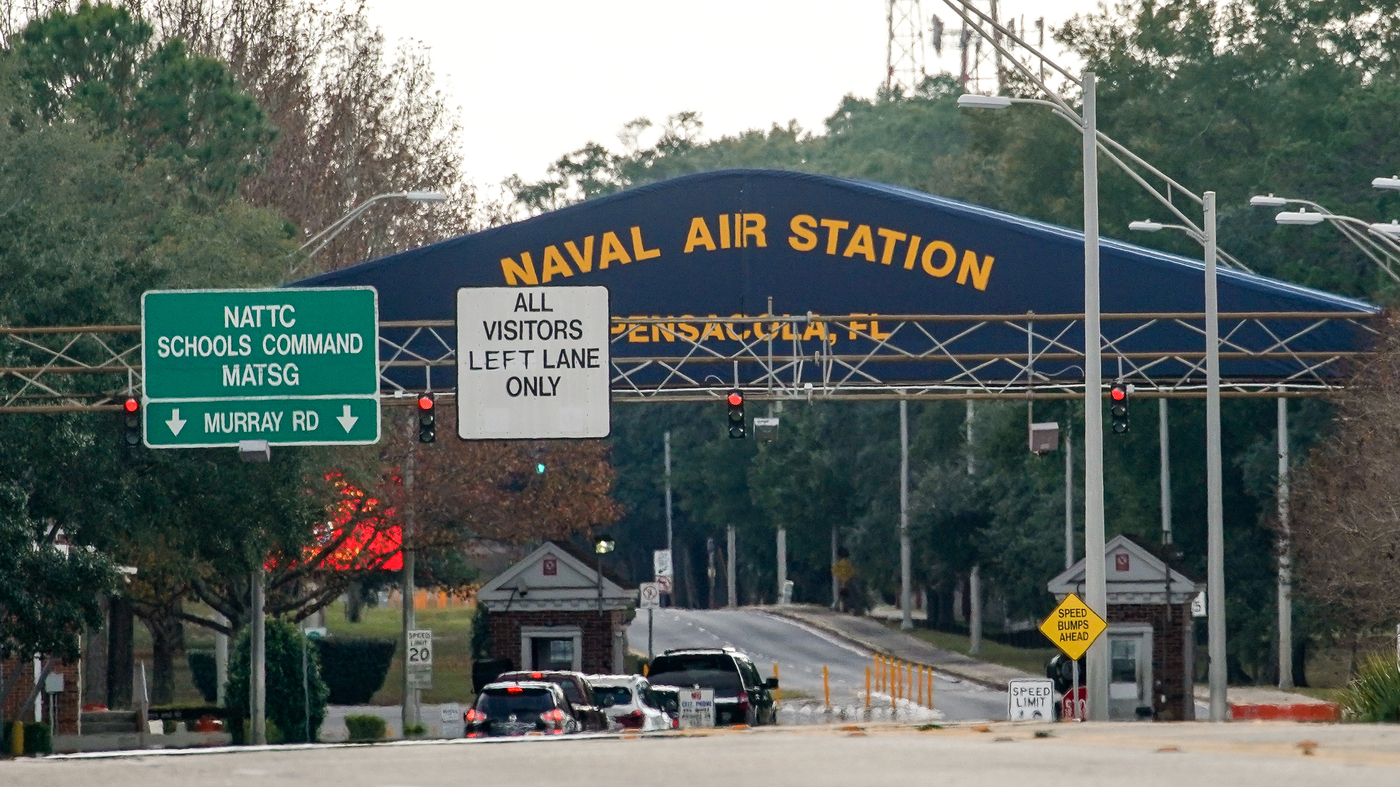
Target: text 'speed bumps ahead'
x=1073 y=627
x=533 y=363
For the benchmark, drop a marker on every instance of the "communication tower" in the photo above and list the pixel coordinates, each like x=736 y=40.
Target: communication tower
x=979 y=64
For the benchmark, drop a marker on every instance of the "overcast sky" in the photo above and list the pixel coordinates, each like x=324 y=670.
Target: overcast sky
x=538 y=78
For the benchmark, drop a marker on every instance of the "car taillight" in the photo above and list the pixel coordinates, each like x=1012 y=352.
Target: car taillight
x=675 y=723
x=743 y=701
x=555 y=715
x=633 y=719
x=475 y=715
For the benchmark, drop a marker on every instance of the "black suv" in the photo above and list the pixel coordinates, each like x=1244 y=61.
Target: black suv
x=741 y=696
x=520 y=708
x=577 y=690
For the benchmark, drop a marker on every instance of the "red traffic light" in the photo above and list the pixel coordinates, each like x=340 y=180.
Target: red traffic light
x=425 y=402
x=1119 y=393
x=735 y=398
x=131 y=405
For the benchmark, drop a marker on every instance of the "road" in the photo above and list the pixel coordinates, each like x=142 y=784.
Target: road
x=800 y=654
x=1000 y=754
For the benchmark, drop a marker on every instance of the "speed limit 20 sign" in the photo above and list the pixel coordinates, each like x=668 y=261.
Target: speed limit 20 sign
x=420 y=658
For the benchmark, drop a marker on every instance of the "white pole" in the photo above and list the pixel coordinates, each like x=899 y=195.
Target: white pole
x=905 y=591
x=220 y=662
x=408 y=707
x=974 y=579
x=782 y=562
x=1069 y=493
x=1165 y=460
x=1215 y=519
x=1095 y=590
x=1285 y=568
x=257 y=665
x=730 y=570
x=667 y=443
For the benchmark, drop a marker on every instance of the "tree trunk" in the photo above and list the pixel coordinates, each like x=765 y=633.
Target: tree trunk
x=119 y=656
x=354 y=602
x=167 y=643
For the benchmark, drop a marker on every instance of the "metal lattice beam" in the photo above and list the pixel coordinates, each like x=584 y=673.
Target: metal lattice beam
x=844 y=357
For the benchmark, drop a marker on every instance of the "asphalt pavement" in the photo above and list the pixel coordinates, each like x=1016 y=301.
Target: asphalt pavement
x=800 y=653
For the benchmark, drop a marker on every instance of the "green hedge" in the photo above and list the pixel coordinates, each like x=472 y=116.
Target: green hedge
x=364 y=727
x=354 y=669
x=285 y=701
x=205 y=677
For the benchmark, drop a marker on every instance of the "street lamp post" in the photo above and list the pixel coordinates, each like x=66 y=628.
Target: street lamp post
x=601 y=546
x=1215 y=524
x=321 y=239
x=1379 y=242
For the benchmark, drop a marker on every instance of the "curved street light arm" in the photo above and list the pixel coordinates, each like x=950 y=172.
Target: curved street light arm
x=958 y=9
x=335 y=227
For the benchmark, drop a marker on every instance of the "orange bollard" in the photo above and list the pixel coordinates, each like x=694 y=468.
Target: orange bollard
x=921 y=685
x=867 y=688
x=826 y=688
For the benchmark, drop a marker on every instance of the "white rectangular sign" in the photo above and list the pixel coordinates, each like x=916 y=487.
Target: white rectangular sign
x=533 y=363
x=420 y=659
x=661 y=563
x=649 y=594
x=1030 y=700
x=451 y=720
x=697 y=708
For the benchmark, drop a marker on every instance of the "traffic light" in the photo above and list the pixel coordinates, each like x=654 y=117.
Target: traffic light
x=1118 y=406
x=427 y=419
x=736 y=415
x=131 y=421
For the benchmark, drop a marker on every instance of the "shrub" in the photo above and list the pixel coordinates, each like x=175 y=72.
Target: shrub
x=284 y=685
x=354 y=669
x=364 y=727
x=1374 y=694
x=38 y=739
x=204 y=675
x=411 y=730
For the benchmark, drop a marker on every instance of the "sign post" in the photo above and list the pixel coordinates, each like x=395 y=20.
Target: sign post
x=1073 y=627
x=533 y=363
x=289 y=366
x=649 y=594
x=419 y=664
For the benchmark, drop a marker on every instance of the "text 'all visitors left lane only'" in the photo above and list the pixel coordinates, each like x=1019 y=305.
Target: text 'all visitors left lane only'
x=533 y=363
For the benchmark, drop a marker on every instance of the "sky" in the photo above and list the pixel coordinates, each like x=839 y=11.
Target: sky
x=536 y=79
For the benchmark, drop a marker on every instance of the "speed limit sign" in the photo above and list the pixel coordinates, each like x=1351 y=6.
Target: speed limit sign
x=420 y=658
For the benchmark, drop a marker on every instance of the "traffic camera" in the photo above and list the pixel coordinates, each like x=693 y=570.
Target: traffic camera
x=736 y=415
x=1118 y=406
x=131 y=421
x=427 y=419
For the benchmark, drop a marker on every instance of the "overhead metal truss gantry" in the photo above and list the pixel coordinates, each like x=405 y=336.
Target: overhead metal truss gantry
x=808 y=357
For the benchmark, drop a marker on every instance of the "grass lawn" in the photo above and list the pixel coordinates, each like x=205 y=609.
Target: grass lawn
x=1031 y=660
x=452 y=664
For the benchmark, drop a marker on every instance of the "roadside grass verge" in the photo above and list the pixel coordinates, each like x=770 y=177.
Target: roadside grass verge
x=1031 y=660
x=452 y=662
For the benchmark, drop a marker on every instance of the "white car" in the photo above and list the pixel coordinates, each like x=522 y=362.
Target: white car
x=629 y=703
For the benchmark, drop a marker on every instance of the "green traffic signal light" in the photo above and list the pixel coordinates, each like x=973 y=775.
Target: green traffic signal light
x=539 y=468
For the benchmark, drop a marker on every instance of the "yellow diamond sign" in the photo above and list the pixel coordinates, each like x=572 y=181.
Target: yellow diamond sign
x=1073 y=627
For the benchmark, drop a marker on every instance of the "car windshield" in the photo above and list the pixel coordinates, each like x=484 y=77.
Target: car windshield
x=496 y=703
x=620 y=695
x=709 y=670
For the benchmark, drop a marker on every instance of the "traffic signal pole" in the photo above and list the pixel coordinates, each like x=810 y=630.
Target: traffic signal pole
x=905 y=591
x=1215 y=524
x=409 y=702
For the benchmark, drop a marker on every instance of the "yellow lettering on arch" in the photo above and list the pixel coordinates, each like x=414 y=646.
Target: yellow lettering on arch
x=519 y=272
x=950 y=257
x=980 y=274
x=612 y=251
x=861 y=243
x=699 y=235
x=554 y=264
x=754 y=224
x=802 y=237
x=639 y=249
x=584 y=261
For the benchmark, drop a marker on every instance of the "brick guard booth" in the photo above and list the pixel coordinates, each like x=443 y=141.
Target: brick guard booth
x=545 y=612
x=1151 y=634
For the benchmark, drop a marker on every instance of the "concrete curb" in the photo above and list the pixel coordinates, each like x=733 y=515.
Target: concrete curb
x=957 y=670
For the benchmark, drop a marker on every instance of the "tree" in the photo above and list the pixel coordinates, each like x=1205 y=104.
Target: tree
x=287 y=702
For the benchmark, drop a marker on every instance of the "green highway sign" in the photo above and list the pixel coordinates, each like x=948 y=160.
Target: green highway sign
x=343 y=420
x=236 y=344
x=291 y=366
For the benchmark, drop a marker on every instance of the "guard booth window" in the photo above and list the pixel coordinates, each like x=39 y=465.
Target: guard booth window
x=552 y=653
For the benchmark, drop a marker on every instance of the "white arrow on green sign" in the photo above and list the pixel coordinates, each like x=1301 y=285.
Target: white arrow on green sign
x=290 y=366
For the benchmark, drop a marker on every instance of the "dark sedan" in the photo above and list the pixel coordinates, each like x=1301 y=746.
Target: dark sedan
x=520 y=708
